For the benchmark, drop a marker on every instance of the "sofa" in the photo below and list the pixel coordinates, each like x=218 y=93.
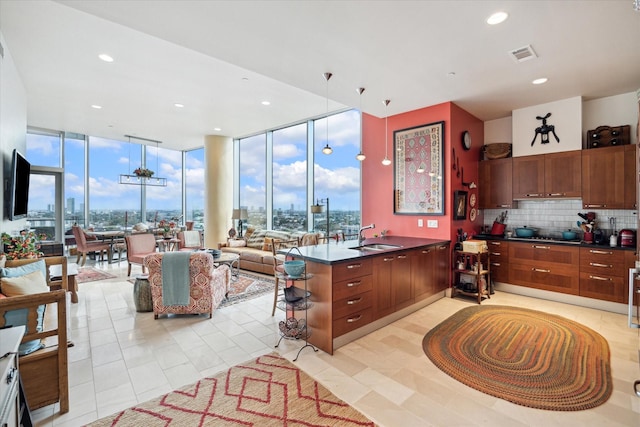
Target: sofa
x=254 y=248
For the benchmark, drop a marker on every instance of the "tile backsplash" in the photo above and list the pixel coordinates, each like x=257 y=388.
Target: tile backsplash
x=551 y=217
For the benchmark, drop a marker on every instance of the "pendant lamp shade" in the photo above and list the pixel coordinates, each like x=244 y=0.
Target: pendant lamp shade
x=327 y=149
x=386 y=161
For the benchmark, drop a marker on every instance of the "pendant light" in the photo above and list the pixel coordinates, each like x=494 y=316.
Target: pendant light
x=386 y=161
x=360 y=156
x=142 y=176
x=327 y=150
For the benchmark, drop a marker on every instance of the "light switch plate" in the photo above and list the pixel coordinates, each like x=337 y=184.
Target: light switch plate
x=420 y=223
x=432 y=223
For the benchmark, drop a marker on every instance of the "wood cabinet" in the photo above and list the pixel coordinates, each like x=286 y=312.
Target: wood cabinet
x=603 y=178
x=392 y=288
x=442 y=270
x=423 y=269
x=555 y=175
x=603 y=274
x=352 y=296
x=499 y=264
x=545 y=266
x=630 y=177
x=495 y=184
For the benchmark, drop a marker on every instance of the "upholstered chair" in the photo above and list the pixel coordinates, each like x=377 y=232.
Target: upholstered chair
x=208 y=285
x=139 y=245
x=189 y=240
x=84 y=247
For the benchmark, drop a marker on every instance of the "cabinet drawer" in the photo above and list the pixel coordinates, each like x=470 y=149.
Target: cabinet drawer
x=602 y=261
x=351 y=269
x=603 y=287
x=546 y=277
x=352 y=304
x=348 y=288
x=499 y=271
x=352 y=322
x=535 y=253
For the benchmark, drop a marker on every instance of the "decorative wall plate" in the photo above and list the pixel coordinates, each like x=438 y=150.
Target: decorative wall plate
x=472 y=200
x=472 y=214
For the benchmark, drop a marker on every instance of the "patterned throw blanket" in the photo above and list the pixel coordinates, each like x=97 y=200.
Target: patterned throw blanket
x=175 y=278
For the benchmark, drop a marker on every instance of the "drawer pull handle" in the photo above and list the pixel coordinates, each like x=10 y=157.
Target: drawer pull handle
x=540 y=270
x=443 y=247
x=540 y=247
x=494 y=243
x=426 y=251
x=504 y=206
x=402 y=256
x=495 y=264
x=387 y=259
x=606 y=279
x=533 y=195
x=556 y=194
x=496 y=253
x=354 y=266
x=595 y=251
x=354 y=319
x=596 y=264
x=352 y=284
x=354 y=301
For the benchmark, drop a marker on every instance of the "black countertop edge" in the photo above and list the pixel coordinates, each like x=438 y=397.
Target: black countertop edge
x=332 y=252
x=550 y=242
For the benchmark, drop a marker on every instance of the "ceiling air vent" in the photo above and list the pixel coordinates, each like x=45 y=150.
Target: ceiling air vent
x=523 y=54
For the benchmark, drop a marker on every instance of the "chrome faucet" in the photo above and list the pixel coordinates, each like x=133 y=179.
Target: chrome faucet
x=361 y=233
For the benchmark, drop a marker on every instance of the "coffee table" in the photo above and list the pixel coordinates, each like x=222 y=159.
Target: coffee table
x=230 y=259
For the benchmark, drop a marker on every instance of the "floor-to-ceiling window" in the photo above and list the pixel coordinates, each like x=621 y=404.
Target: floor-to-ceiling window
x=194 y=187
x=289 y=169
x=74 y=180
x=164 y=202
x=337 y=175
x=253 y=174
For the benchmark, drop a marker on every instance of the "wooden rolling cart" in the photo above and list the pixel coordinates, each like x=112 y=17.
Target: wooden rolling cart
x=471 y=274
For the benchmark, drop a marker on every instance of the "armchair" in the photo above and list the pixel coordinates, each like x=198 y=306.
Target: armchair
x=84 y=246
x=189 y=240
x=208 y=285
x=139 y=245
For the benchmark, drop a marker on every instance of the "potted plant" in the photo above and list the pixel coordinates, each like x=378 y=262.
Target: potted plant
x=143 y=172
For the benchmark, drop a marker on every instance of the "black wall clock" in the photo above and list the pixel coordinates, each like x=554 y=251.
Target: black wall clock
x=466 y=140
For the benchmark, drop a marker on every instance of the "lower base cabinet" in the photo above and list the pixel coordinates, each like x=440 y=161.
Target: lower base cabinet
x=604 y=273
x=545 y=266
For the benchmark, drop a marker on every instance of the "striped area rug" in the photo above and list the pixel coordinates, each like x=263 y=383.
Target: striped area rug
x=267 y=391
x=524 y=356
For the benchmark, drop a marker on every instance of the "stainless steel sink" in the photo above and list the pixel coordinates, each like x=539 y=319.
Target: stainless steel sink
x=376 y=247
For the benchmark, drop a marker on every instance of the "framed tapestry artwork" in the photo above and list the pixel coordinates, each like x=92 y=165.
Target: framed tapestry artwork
x=460 y=205
x=418 y=176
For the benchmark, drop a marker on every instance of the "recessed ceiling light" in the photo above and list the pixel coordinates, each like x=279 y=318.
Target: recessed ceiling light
x=497 y=18
x=179 y=105
x=97 y=107
x=105 y=57
x=266 y=103
x=217 y=129
x=540 y=81
x=451 y=74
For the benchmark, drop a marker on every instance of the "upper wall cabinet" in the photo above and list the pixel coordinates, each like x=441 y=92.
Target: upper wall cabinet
x=555 y=175
x=495 y=184
x=630 y=177
x=603 y=178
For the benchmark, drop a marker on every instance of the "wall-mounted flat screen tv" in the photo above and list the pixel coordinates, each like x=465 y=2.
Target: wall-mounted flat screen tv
x=19 y=186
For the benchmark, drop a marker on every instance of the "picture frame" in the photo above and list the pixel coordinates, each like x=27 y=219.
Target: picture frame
x=460 y=204
x=419 y=175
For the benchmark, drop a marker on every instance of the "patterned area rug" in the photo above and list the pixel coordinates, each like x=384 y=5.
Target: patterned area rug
x=524 y=356
x=268 y=391
x=90 y=274
x=248 y=286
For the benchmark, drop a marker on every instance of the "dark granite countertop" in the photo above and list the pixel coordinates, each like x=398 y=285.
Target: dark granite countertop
x=336 y=252
x=579 y=244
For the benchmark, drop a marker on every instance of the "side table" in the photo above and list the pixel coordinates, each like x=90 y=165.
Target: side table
x=55 y=271
x=142 y=294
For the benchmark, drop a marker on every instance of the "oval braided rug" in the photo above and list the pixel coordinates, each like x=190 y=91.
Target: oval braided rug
x=524 y=356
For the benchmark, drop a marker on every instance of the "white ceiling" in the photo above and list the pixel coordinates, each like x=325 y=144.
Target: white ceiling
x=222 y=58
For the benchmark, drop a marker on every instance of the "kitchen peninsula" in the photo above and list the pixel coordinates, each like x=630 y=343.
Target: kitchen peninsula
x=358 y=288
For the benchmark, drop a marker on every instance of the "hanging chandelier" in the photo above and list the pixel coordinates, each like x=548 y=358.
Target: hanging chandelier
x=142 y=175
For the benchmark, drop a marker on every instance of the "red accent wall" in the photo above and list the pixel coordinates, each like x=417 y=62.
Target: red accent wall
x=377 y=180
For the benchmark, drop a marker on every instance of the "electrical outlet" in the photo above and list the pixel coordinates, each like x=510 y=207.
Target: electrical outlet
x=432 y=223
x=420 y=223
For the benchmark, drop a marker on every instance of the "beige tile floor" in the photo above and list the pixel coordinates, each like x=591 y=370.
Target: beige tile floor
x=122 y=357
